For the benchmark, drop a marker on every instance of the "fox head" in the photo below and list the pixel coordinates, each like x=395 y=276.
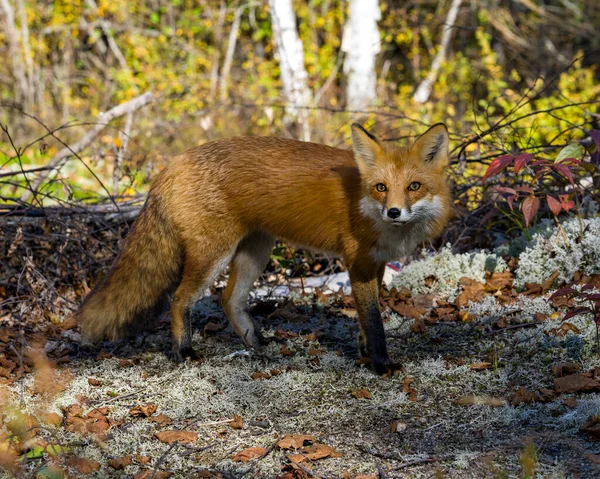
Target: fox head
x=403 y=185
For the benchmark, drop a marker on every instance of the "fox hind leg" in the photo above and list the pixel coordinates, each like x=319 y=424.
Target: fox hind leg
x=249 y=260
x=197 y=274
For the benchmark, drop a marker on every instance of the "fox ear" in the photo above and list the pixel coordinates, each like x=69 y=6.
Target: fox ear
x=365 y=147
x=432 y=146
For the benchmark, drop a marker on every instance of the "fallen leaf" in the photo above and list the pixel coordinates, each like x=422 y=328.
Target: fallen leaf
x=533 y=289
x=418 y=326
x=285 y=351
x=314 y=452
x=564 y=369
x=362 y=393
x=408 y=389
x=564 y=329
x=51 y=418
x=143 y=410
x=472 y=400
x=499 y=281
x=580 y=382
x=592 y=427
x=248 y=454
x=548 y=283
x=237 y=422
x=473 y=291
x=143 y=460
x=480 y=366
x=408 y=310
x=169 y=437
x=523 y=396
x=83 y=465
x=259 y=375
x=160 y=419
x=150 y=474
x=94 y=382
x=570 y=402
x=294 y=441
x=546 y=395
x=120 y=463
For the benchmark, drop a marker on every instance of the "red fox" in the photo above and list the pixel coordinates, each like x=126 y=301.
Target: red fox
x=227 y=201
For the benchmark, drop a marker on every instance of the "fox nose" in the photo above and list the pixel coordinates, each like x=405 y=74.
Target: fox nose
x=393 y=213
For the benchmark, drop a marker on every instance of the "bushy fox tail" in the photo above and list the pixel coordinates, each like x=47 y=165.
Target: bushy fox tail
x=137 y=287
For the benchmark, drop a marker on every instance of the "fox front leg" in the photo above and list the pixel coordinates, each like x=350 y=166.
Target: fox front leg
x=365 y=289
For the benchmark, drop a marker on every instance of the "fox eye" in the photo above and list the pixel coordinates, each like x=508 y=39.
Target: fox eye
x=414 y=186
x=380 y=187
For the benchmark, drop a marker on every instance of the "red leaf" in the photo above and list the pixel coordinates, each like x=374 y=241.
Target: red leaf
x=496 y=166
x=521 y=161
x=554 y=205
x=504 y=189
x=525 y=189
x=568 y=291
x=576 y=312
x=565 y=171
x=510 y=199
x=566 y=203
x=530 y=207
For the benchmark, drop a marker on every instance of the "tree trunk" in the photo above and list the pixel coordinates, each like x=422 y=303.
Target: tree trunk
x=291 y=62
x=13 y=40
x=361 y=45
x=424 y=89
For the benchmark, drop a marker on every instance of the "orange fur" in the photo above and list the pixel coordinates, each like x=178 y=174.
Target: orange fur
x=229 y=199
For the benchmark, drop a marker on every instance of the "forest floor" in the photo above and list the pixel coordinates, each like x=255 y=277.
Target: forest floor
x=494 y=384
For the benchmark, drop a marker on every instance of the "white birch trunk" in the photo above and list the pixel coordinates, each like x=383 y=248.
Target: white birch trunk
x=361 y=45
x=423 y=91
x=291 y=62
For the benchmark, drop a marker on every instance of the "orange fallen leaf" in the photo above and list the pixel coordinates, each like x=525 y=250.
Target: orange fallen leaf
x=52 y=418
x=564 y=369
x=294 y=441
x=362 y=393
x=314 y=453
x=408 y=389
x=142 y=459
x=260 y=375
x=564 y=329
x=524 y=396
x=149 y=473
x=169 y=437
x=480 y=366
x=285 y=351
x=248 y=454
x=237 y=422
x=574 y=383
x=143 y=410
x=83 y=465
x=160 y=419
x=472 y=400
x=120 y=463
x=94 y=382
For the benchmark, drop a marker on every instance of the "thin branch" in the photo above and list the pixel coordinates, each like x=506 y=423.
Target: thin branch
x=103 y=120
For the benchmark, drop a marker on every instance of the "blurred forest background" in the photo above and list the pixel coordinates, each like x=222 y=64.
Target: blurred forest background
x=505 y=75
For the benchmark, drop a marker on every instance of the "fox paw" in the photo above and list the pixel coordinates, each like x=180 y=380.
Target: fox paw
x=387 y=369
x=180 y=354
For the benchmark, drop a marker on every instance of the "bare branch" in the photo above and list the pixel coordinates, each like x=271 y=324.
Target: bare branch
x=103 y=120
